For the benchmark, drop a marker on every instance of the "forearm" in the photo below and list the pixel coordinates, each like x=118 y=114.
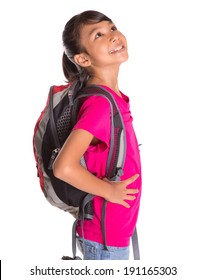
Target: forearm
x=82 y=179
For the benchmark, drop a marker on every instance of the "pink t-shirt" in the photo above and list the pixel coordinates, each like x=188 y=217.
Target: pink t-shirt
x=94 y=117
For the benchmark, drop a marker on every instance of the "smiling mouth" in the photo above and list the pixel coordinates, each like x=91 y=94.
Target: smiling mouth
x=117 y=49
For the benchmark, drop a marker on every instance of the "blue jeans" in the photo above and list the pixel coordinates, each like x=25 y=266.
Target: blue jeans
x=96 y=251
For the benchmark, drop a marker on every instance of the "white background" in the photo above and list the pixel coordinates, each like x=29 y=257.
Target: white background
x=165 y=79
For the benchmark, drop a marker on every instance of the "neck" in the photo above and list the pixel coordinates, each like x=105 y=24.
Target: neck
x=107 y=80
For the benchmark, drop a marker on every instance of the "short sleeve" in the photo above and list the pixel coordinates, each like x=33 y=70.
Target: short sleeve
x=94 y=117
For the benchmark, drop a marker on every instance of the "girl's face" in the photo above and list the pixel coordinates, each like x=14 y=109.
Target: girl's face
x=104 y=44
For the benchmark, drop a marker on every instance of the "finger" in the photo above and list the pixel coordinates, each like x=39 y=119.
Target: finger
x=132 y=191
x=131 y=179
x=105 y=179
x=130 y=197
x=125 y=204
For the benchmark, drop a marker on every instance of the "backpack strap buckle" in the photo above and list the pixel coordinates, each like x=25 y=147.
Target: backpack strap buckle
x=119 y=172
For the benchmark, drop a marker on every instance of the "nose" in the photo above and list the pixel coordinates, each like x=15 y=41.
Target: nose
x=114 y=37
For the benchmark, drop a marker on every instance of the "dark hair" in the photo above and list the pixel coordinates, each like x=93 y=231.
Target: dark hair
x=72 y=44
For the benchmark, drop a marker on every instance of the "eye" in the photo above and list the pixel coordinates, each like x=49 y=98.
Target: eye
x=113 y=28
x=99 y=34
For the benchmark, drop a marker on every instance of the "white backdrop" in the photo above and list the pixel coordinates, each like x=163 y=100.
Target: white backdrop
x=165 y=79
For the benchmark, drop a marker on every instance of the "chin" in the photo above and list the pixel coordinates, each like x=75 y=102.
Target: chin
x=124 y=58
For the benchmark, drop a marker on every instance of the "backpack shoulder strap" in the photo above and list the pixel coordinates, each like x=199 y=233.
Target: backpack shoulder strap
x=116 y=157
x=135 y=245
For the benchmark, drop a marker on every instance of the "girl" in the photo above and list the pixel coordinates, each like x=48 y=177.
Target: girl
x=94 y=51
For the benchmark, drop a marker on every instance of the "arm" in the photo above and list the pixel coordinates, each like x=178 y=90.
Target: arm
x=67 y=167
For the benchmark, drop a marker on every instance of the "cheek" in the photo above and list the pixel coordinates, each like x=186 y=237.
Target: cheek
x=99 y=52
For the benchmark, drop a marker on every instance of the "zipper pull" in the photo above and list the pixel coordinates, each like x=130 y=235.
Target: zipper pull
x=53 y=156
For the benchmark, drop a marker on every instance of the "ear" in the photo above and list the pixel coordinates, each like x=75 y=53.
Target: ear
x=82 y=60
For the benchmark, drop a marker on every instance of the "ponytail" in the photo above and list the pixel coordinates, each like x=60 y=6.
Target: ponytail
x=69 y=69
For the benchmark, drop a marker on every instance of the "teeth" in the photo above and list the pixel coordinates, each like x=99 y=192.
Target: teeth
x=116 y=49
